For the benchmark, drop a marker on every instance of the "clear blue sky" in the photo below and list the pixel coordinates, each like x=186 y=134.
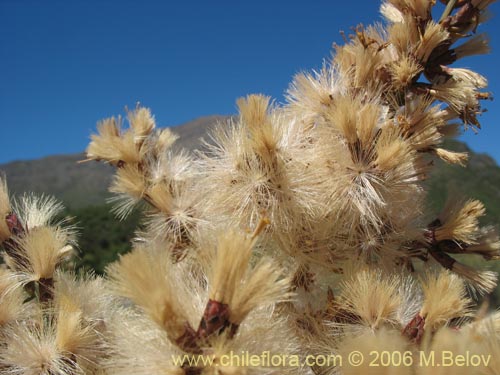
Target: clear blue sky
x=66 y=64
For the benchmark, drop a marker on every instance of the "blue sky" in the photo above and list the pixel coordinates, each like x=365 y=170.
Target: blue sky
x=65 y=64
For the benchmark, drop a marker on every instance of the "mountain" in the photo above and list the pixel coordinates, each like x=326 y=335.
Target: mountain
x=82 y=184
x=190 y=133
x=76 y=184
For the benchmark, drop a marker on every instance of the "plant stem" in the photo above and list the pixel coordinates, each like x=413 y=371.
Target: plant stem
x=45 y=290
x=448 y=9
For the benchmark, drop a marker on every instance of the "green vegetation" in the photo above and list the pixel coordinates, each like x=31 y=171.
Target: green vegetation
x=102 y=236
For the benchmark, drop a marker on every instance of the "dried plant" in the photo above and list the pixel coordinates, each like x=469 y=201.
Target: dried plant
x=299 y=231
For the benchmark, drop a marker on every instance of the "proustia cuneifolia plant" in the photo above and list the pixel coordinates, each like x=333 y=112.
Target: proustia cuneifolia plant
x=295 y=238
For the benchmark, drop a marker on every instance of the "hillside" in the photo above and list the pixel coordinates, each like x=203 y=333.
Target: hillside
x=76 y=184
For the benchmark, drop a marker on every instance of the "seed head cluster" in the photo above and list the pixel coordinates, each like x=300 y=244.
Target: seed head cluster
x=296 y=230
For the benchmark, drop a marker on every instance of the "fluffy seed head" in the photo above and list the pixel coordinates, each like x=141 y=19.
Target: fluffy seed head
x=42 y=249
x=148 y=278
x=372 y=297
x=11 y=298
x=5 y=209
x=141 y=122
x=445 y=298
x=383 y=340
x=460 y=221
